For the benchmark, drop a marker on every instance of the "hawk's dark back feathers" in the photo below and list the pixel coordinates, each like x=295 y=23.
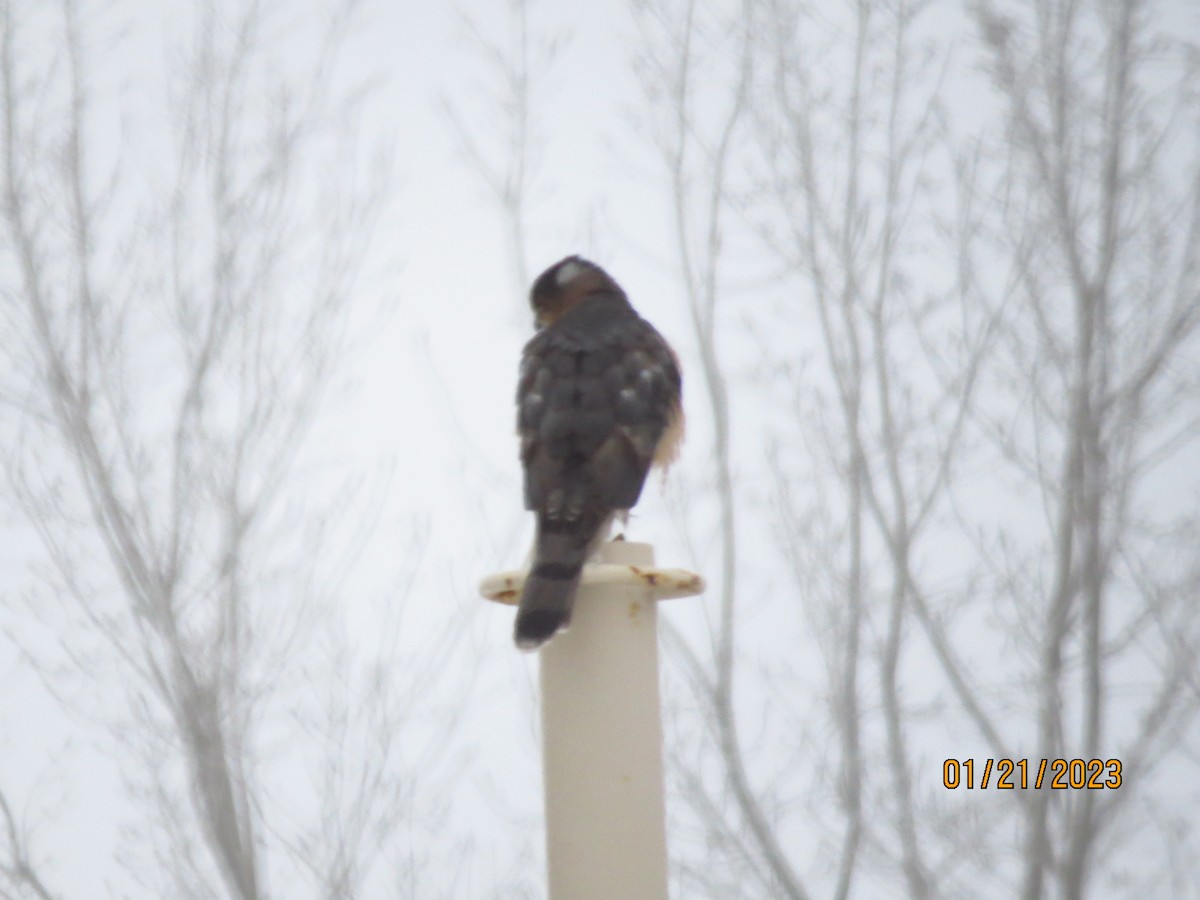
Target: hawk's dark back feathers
x=598 y=400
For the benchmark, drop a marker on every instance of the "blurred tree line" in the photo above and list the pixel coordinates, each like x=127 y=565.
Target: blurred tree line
x=174 y=322
x=984 y=438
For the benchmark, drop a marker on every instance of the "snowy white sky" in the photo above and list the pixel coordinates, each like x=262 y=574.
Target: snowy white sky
x=432 y=396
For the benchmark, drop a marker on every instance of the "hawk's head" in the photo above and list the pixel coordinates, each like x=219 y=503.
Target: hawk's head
x=562 y=286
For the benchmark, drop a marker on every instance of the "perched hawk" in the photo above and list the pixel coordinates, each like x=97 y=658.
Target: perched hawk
x=598 y=403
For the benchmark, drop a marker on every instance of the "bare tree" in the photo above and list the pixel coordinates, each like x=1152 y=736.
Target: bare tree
x=517 y=68
x=682 y=46
x=19 y=876
x=853 y=158
x=176 y=330
x=1101 y=222
x=1019 y=300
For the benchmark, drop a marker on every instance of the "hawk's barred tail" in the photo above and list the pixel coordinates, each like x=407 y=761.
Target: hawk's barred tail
x=561 y=548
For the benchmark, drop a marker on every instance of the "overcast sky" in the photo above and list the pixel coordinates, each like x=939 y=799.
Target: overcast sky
x=428 y=401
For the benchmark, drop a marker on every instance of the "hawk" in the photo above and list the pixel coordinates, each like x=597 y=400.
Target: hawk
x=598 y=403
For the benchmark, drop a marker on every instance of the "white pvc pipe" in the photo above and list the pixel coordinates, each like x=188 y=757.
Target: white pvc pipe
x=601 y=728
x=606 y=833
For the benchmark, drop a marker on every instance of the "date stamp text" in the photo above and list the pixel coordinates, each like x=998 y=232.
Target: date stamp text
x=1007 y=774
